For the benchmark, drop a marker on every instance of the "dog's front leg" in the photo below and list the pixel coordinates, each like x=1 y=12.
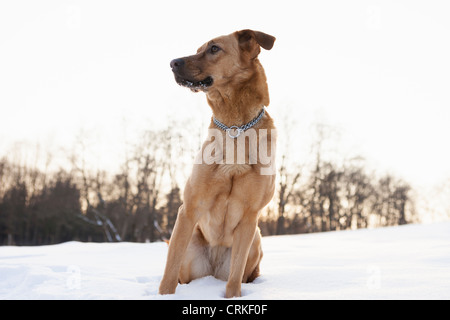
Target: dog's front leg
x=182 y=233
x=242 y=240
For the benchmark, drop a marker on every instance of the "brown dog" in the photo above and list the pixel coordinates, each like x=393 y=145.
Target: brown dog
x=216 y=231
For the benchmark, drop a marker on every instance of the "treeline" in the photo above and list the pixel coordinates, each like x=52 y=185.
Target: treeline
x=140 y=201
x=333 y=197
x=328 y=192
x=38 y=207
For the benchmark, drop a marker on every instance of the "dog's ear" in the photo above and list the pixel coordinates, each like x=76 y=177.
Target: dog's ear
x=251 y=41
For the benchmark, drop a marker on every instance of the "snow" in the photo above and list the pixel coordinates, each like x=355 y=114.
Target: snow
x=407 y=262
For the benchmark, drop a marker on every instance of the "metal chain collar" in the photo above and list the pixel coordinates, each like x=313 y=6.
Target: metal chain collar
x=240 y=129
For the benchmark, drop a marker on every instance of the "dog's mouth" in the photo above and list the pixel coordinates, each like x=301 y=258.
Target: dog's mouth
x=195 y=85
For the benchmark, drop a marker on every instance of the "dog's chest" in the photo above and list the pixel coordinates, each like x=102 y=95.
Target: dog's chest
x=219 y=223
x=233 y=169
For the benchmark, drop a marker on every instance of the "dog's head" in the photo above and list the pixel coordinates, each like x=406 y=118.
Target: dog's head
x=221 y=61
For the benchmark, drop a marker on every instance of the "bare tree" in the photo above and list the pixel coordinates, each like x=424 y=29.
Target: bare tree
x=286 y=189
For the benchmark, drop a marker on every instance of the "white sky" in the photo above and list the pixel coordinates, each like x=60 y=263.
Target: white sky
x=376 y=70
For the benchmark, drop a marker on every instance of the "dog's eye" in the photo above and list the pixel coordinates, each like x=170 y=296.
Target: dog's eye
x=214 y=49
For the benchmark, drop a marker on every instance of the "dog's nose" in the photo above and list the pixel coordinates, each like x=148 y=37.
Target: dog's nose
x=176 y=64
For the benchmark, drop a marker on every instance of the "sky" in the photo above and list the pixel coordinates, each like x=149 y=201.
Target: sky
x=376 y=71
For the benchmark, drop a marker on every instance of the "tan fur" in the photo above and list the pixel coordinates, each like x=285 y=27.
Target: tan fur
x=216 y=230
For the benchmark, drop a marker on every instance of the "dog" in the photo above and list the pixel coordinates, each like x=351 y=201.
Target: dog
x=216 y=231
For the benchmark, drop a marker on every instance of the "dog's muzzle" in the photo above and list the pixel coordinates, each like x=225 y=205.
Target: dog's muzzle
x=177 y=66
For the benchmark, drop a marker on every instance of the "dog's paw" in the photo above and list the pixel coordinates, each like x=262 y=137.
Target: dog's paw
x=167 y=288
x=233 y=292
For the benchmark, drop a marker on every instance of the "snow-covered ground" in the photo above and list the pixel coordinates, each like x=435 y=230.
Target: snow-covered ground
x=408 y=262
